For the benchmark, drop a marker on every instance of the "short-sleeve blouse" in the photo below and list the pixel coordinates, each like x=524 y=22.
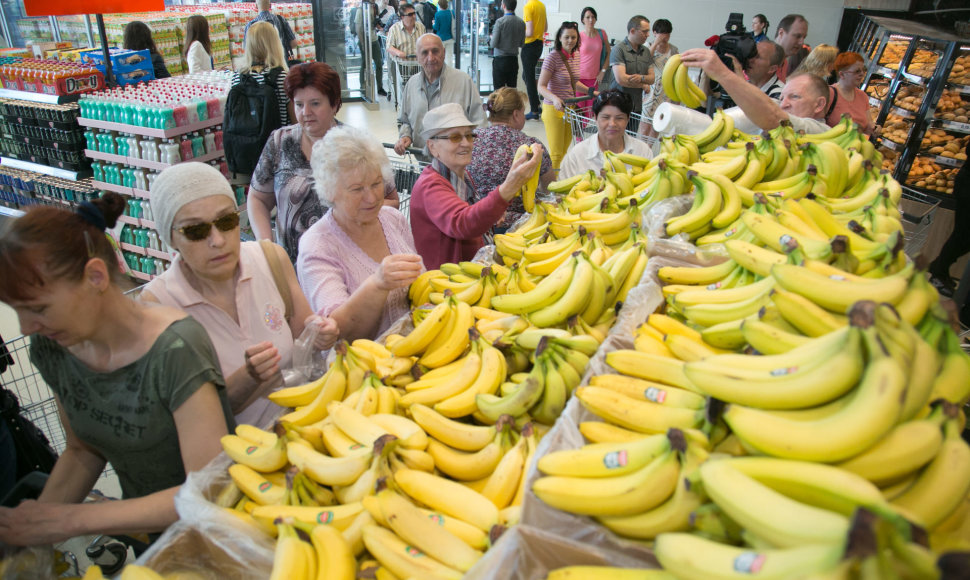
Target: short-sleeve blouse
x=559 y=83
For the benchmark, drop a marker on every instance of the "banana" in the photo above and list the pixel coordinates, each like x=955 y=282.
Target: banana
x=546 y=292
x=604 y=459
x=422 y=335
x=573 y=301
x=324 y=469
x=691 y=275
x=293 y=558
x=467 y=465
x=255 y=486
x=299 y=395
x=782 y=239
x=691 y=557
x=673 y=515
x=335 y=560
x=463 y=436
x=952 y=383
x=504 y=480
x=806 y=316
x=637 y=415
x=449 y=345
x=907 y=448
x=564 y=185
x=515 y=404
x=649 y=391
x=333 y=389
x=667 y=77
x=458 y=382
x=871 y=412
x=731 y=205
x=493 y=372
x=412 y=526
x=650 y=367
x=710 y=314
x=707 y=203
x=710 y=133
x=448 y=497
x=264 y=458
x=340 y=517
x=710 y=295
x=942 y=484
x=622 y=495
x=813 y=374
x=403 y=560
x=838 y=295
x=408 y=432
x=554 y=391
x=551 y=249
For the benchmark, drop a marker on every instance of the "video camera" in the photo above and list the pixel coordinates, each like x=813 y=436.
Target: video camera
x=736 y=42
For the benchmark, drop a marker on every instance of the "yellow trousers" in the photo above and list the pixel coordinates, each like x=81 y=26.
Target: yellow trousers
x=558 y=133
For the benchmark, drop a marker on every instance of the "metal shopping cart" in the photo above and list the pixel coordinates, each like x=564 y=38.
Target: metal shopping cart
x=407 y=168
x=579 y=114
x=404 y=69
x=918 y=211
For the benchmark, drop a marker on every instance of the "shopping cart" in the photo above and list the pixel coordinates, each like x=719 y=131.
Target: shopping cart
x=918 y=211
x=407 y=168
x=579 y=114
x=404 y=69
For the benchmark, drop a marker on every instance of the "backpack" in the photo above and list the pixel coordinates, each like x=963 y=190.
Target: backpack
x=33 y=449
x=427 y=13
x=252 y=113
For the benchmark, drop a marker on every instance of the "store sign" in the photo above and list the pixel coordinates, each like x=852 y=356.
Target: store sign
x=65 y=7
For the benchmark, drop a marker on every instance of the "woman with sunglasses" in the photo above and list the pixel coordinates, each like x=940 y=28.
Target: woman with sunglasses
x=229 y=287
x=447 y=226
x=612 y=110
x=559 y=80
x=849 y=98
x=136 y=385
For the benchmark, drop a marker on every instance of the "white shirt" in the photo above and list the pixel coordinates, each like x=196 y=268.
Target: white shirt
x=197 y=58
x=587 y=155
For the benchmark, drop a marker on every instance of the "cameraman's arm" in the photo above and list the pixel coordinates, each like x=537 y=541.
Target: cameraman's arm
x=759 y=107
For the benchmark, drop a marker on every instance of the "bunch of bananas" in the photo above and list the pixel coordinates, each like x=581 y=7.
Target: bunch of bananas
x=528 y=191
x=678 y=86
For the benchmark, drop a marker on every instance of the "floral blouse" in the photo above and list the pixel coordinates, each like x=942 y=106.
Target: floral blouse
x=491 y=160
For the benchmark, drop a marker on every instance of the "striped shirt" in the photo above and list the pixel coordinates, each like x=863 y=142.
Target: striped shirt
x=281 y=99
x=559 y=83
x=406 y=42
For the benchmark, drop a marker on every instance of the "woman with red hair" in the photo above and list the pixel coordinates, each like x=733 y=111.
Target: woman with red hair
x=283 y=177
x=849 y=98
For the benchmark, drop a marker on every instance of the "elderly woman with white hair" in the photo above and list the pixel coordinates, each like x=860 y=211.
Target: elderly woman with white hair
x=356 y=263
x=245 y=294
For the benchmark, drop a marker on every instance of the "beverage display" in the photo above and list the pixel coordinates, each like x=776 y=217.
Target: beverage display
x=49 y=77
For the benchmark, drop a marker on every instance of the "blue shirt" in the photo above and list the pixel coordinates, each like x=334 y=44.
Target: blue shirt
x=282 y=27
x=442 y=24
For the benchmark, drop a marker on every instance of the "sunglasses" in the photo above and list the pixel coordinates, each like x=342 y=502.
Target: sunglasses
x=457 y=138
x=199 y=232
x=570 y=24
x=408 y=14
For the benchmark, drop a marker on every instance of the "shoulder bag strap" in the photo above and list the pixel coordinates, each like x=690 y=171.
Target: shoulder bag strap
x=273 y=259
x=565 y=62
x=835 y=99
x=602 y=48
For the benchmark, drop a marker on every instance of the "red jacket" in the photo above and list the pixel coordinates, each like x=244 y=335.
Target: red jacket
x=445 y=228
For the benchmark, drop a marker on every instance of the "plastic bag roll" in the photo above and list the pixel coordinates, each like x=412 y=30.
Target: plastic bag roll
x=741 y=121
x=677 y=120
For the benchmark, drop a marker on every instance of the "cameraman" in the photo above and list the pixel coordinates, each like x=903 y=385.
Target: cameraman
x=762 y=69
x=804 y=99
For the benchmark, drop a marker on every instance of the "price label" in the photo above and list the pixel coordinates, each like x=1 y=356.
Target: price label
x=960 y=88
x=953 y=125
x=885 y=71
x=874 y=101
x=948 y=161
x=888 y=144
x=903 y=113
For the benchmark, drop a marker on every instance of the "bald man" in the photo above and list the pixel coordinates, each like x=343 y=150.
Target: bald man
x=803 y=100
x=282 y=26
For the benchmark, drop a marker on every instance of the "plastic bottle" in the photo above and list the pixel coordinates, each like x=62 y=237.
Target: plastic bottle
x=187 y=149
x=140 y=183
x=149 y=149
x=218 y=139
x=202 y=108
x=213 y=107
x=166 y=117
x=180 y=114
x=191 y=112
x=146 y=206
x=198 y=145
x=98 y=168
x=121 y=145
x=210 y=141
x=90 y=139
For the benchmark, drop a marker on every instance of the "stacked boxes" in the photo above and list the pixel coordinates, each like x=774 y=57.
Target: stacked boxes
x=128 y=66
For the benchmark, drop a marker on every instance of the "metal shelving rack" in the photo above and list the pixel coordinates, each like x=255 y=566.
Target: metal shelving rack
x=872 y=37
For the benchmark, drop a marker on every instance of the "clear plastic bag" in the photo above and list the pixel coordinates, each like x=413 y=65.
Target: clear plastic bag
x=308 y=363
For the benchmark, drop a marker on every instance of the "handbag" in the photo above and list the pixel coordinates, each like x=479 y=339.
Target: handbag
x=273 y=260
x=33 y=449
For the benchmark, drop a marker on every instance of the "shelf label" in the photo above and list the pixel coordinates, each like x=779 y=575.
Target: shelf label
x=953 y=125
x=889 y=144
x=948 y=161
x=960 y=88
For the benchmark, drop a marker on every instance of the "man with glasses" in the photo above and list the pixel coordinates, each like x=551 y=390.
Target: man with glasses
x=762 y=70
x=534 y=14
x=790 y=35
x=403 y=36
x=632 y=63
x=437 y=84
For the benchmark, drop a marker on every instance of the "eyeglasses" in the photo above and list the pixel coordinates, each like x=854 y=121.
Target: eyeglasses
x=457 y=138
x=408 y=14
x=199 y=232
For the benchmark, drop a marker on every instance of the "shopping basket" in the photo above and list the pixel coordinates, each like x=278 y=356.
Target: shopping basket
x=918 y=211
x=407 y=168
x=404 y=69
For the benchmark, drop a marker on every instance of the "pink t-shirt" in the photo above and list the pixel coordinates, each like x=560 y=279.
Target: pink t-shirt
x=858 y=109
x=331 y=266
x=559 y=83
x=590 y=54
x=260 y=310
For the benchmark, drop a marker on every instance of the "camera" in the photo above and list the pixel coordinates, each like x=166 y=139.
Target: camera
x=736 y=42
